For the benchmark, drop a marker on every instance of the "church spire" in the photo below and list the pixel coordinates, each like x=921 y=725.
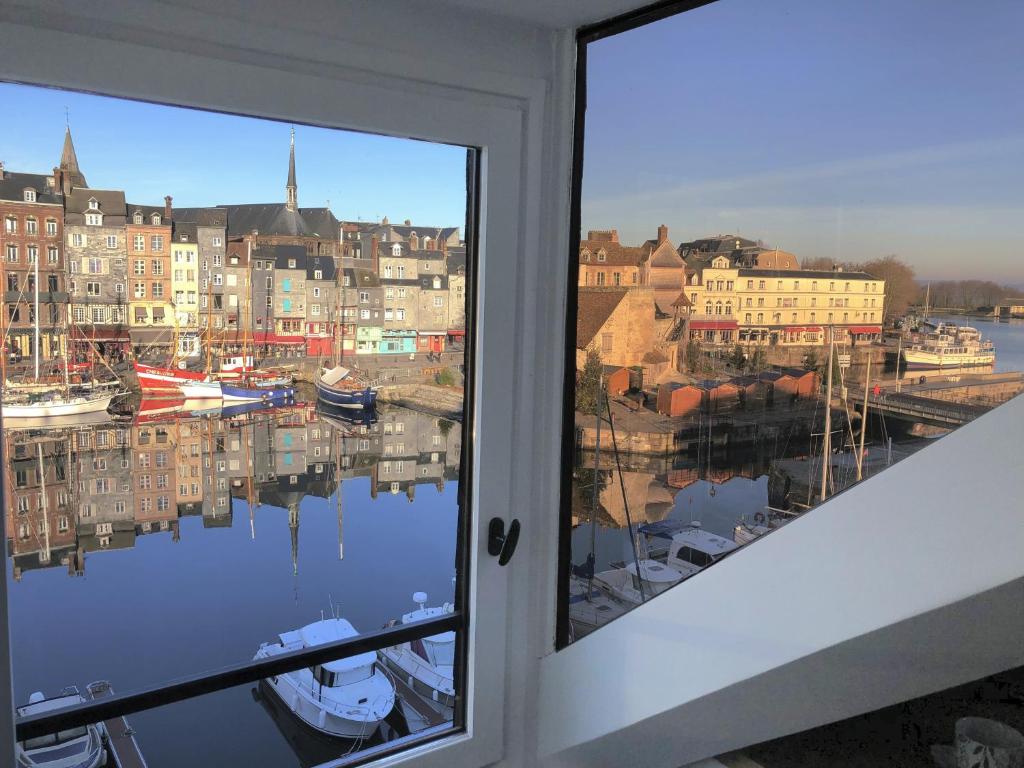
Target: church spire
x=71 y=174
x=292 y=189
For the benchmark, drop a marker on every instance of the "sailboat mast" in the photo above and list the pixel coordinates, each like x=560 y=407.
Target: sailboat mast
x=597 y=460
x=3 y=331
x=864 y=422
x=826 y=444
x=36 y=340
x=42 y=488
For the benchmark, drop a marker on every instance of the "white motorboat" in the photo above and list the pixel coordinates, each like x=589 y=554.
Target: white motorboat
x=347 y=698
x=686 y=547
x=950 y=347
x=634 y=583
x=426 y=666
x=81 y=747
x=54 y=404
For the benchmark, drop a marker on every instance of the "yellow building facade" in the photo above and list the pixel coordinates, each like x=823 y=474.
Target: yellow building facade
x=185 y=290
x=789 y=306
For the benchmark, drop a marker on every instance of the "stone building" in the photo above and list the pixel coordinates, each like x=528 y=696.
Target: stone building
x=321 y=305
x=31 y=244
x=432 y=313
x=211 y=237
x=664 y=271
x=361 y=299
x=104 y=461
x=155 y=476
x=604 y=261
x=418 y=237
x=400 y=279
x=619 y=324
x=96 y=255
x=148 y=232
x=289 y=298
x=189 y=466
x=455 y=267
x=239 y=304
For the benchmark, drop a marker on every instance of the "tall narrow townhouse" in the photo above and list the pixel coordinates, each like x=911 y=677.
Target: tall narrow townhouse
x=321 y=305
x=211 y=237
x=185 y=288
x=432 y=312
x=399 y=278
x=152 y=326
x=31 y=246
x=94 y=228
x=289 y=299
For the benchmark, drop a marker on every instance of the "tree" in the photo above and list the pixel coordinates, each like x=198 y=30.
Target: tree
x=445 y=378
x=901 y=289
x=693 y=355
x=821 y=263
x=758 y=360
x=444 y=426
x=739 y=357
x=589 y=384
x=810 y=361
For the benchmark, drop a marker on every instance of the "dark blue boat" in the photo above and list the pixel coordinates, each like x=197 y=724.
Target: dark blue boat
x=231 y=393
x=330 y=391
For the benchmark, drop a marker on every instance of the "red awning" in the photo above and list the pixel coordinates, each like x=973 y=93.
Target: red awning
x=864 y=329
x=261 y=337
x=456 y=332
x=804 y=328
x=713 y=325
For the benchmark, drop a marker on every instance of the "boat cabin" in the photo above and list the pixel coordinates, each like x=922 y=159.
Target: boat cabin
x=438 y=650
x=685 y=547
x=333 y=674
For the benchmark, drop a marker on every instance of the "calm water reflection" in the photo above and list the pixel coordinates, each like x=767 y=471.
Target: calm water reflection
x=177 y=541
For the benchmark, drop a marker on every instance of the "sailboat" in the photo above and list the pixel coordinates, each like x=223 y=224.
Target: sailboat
x=338 y=386
x=175 y=380
x=30 y=402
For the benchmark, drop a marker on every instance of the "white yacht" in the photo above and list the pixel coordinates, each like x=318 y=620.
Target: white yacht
x=950 y=347
x=347 y=698
x=686 y=547
x=426 y=666
x=633 y=583
x=589 y=607
x=81 y=747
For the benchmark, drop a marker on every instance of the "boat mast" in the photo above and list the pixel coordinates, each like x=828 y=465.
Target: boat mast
x=209 y=321
x=864 y=421
x=826 y=444
x=3 y=331
x=42 y=489
x=594 y=499
x=36 y=339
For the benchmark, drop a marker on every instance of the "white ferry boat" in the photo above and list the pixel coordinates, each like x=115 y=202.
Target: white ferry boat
x=347 y=698
x=81 y=747
x=427 y=665
x=950 y=347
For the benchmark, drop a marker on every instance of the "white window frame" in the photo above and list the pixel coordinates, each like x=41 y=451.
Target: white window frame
x=507 y=117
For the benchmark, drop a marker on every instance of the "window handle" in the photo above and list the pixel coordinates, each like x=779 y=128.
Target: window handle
x=500 y=544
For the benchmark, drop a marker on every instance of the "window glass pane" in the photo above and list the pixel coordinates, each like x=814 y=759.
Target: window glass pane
x=797 y=220
x=196 y=481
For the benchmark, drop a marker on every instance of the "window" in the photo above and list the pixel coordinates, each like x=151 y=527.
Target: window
x=364 y=297
x=94 y=219
x=52 y=255
x=111 y=241
x=139 y=267
x=156 y=242
x=78 y=240
x=439 y=301
x=92 y=289
x=139 y=243
x=12 y=254
x=158 y=267
x=399 y=314
x=31 y=226
x=51 y=227
x=140 y=290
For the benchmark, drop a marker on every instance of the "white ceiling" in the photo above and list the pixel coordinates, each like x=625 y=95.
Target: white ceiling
x=553 y=13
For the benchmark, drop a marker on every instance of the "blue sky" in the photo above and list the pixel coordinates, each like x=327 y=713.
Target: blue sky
x=842 y=129
x=203 y=158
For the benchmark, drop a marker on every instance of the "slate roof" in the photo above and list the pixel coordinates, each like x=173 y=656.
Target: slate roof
x=427 y=255
x=324 y=263
x=145 y=210
x=427 y=282
x=595 y=306
x=456 y=261
x=282 y=254
x=185 y=232
x=13 y=186
x=665 y=256
x=432 y=232
x=276 y=219
x=360 y=277
x=203 y=217
x=616 y=254
x=111 y=204
x=717 y=244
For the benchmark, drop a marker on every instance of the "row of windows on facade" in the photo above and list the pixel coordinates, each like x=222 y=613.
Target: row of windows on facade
x=777 y=317
x=31 y=226
x=729 y=285
x=785 y=303
x=31 y=254
x=601 y=279
x=14 y=316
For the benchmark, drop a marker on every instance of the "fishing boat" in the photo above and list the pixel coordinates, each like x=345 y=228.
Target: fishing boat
x=255 y=394
x=81 y=747
x=348 y=698
x=950 y=346
x=685 y=546
x=337 y=387
x=175 y=382
x=426 y=665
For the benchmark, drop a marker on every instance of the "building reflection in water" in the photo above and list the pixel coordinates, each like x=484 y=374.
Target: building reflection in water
x=80 y=489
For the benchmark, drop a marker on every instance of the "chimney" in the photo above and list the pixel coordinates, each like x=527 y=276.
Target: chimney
x=167 y=208
x=408 y=222
x=373 y=254
x=662 y=234
x=614 y=237
x=385 y=221
x=443 y=245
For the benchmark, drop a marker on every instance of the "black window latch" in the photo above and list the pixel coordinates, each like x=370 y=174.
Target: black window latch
x=500 y=544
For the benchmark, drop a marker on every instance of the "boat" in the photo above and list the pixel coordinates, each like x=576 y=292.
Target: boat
x=685 y=546
x=53 y=404
x=426 y=666
x=589 y=607
x=81 y=747
x=348 y=698
x=336 y=386
x=233 y=393
x=950 y=346
x=636 y=582
x=173 y=382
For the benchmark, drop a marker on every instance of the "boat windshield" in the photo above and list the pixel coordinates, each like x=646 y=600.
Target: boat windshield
x=442 y=654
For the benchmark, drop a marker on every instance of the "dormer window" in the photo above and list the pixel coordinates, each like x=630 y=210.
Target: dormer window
x=396 y=249
x=94 y=219
x=155 y=218
x=601 y=255
x=30 y=195
x=586 y=254
x=94 y=204
x=137 y=218
x=291 y=263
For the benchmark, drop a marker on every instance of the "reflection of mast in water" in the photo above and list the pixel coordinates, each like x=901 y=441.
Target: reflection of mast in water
x=293 y=529
x=338 y=452
x=42 y=492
